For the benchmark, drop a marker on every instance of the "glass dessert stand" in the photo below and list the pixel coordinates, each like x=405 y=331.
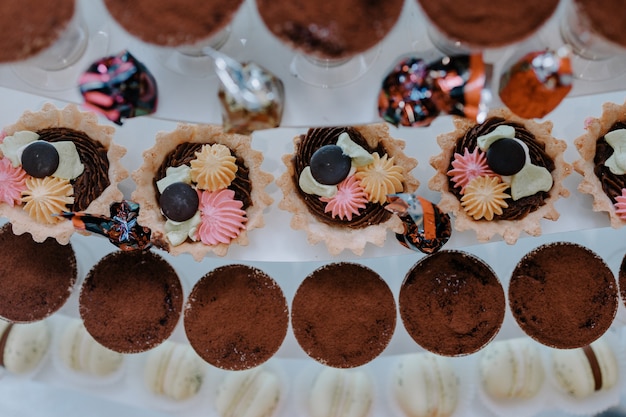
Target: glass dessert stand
x=284 y=253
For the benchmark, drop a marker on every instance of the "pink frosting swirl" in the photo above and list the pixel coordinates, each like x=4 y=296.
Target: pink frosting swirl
x=222 y=218
x=620 y=205
x=350 y=197
x=12 y=183
x=468 y=166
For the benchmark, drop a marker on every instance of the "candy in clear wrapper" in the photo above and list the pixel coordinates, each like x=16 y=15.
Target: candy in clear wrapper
x=414 y=93
x=457 y=83
x=252 y=98
x=426 y=228
x=119 y=87
x=405 y=98
x=121 y=228
x=535 y=84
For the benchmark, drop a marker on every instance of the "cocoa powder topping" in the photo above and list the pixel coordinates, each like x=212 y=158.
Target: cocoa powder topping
x=563 y=295
x=343 y=315
x=36 y=278
x=452 y=303
x=236 y=317
x=131 y=301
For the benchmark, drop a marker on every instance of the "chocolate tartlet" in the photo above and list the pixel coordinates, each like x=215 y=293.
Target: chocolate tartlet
x=36 y=278
x=236 y=317
x=452 y=303
x=173 y=22
x=330 y=30
x=79 y=172
x=501 y=176
x=485 y=23
x=201 y=190
x=603 y=176
x=563 y=295
x=357 y=215
x=30 y=26
x=343 y=315
x=131 y=301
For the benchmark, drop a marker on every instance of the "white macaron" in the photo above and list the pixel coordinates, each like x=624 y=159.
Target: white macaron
x=174 y=370
x=251 y=393
x=425 y=385
x=512 y=369
x=24 y=345
x=341 y=393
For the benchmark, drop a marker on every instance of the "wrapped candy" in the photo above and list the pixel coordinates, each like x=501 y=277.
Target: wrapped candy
x=426 y=228
x=119 y=87
x=414 y=93
x=252 y=98
x=405 y=98
x=121 y=228
x=535 y=84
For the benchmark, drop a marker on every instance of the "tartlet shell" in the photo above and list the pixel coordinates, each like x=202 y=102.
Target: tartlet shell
x=508 y=229
x=144 y=194
x=70 y=117
x=586 y=147
x=338 y=239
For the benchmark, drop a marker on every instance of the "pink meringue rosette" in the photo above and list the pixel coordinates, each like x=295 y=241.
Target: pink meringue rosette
x=231 y=200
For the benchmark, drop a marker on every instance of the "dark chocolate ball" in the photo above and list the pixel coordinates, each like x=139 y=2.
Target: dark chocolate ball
x=179 y=201
x=40 y=159
x=329 y=165
x=506 y=156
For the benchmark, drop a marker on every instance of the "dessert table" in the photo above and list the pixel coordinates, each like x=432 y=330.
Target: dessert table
x=188 y=93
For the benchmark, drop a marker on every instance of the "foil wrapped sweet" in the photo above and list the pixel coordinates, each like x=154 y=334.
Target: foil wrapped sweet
x=426 y=228
x=252 y=98
x=415 y=92
x=119 y=87
x=121 y=228
x=536 y=84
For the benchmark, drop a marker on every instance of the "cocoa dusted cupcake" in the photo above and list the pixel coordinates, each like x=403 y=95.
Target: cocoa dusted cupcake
x=201 y=190
x=343 y=315
x=251 y=311
x=452 y=303
x=31 y=26
x=330 y=30
x=337 y=181
x=131 y=301
x=487 y=24
x=53 y=161
x=601 y=162
x=500 y=177
x=173 y=23
x=36 y=278
x=563 y=295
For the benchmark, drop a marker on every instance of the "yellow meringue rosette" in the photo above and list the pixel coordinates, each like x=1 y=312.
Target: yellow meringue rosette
x=485 y=197
x=380 y=178
x=45 y=197
x=214 y=167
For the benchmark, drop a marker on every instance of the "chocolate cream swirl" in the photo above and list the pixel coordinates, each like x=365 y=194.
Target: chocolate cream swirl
x=95 y=178
x=314 y=139
x=184 y=153
x=612 y=184
x=517 y=209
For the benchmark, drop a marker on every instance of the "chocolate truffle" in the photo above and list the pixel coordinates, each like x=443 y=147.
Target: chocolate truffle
x=605 y=17
x=452 y=303
x=36 y=278
x=173 y=22
x=236 y=317
x=486 y=23
x=563 y=295
x=330 y=30
x=30 y=26
x=343 y=315
x=131 y=301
